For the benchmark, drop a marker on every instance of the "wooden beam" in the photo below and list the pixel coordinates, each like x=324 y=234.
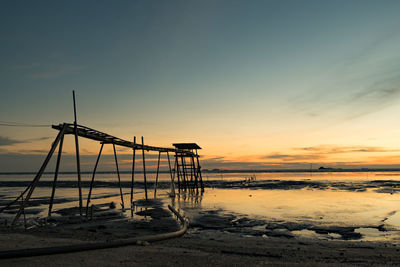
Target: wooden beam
x=38 y=175
x=119 y=178
x=78 y=163
x=92 y=180
x=56 y=174
x=158 y=169
x=133 y=170
x=172 y=177
x=144 y=169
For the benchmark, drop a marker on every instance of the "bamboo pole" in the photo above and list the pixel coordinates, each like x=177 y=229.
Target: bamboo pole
x=39 y=174
x=78 y=164
x=56 y=174
x=196 y=185
x=177 y=173
x=199 y=172
x=119 y=178
x=172 y=178
x=144 y=169
x=92 y=181
x=192 y=185
x=158 y=169
x=133 y=169
x=184 y=173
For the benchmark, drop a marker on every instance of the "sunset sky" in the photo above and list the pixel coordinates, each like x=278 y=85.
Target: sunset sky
x=257 y=84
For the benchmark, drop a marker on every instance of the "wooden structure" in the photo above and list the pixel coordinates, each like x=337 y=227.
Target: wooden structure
x=187 y=166
x=188 y=173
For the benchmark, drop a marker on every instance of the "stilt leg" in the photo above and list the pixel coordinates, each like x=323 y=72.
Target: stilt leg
x=39 y=174
x=144 y=170
x=172 y=178
x=158 y=169
x=56 y=174
x=119 y=178
x=133 y=170
x=78 y=162
x=92 y=181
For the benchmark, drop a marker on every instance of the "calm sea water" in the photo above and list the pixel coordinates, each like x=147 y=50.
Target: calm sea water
x=316 y=176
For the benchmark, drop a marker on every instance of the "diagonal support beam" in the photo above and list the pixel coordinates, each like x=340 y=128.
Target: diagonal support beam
x=39 y=174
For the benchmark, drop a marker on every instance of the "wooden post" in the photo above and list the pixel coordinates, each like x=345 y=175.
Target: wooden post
x=177 y=173
x=119 y=179
x=39 y=174
x=172 y=178
x=144 y=170
x=196 y=185
x=92 y=181
x=192 y=175
x=56 y=174
x=133 y=169
x=158 y=169
x=78 y=164
x=184 y=173
x=199 y=172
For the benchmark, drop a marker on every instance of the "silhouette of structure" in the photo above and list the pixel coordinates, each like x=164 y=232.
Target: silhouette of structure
x=187 y=166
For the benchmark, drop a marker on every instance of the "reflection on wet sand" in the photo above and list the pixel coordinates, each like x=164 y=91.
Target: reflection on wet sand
x=288 y=213
x=355 y=208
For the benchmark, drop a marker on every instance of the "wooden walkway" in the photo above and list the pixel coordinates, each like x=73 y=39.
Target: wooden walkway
x=186 y=169
x=90 y=133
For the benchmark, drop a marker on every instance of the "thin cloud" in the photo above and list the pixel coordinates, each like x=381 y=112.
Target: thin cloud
x=365 y=84
x=293 y=157
x=332 y=149
x=6 y=141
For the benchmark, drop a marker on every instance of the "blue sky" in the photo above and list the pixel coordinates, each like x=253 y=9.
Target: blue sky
x=244 y=79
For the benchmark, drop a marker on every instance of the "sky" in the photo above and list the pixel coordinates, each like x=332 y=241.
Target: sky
x=257 y=84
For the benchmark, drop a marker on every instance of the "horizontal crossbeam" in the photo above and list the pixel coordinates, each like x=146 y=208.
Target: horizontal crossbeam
x=92 y=134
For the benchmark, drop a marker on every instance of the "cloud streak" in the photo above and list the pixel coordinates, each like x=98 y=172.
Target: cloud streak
x=365 y=84
x=332 y=149
x=6 y=141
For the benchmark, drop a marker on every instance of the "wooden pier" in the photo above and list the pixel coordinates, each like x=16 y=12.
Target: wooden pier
x=186 y=169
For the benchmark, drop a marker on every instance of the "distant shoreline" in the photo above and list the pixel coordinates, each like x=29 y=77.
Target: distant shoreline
x=231 y=171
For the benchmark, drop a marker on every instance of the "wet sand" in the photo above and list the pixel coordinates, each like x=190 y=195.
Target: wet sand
x=218 y=236
x=210 y=247
x=214 y=238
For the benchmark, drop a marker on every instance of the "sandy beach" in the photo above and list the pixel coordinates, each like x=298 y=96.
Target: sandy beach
x=208 y=248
